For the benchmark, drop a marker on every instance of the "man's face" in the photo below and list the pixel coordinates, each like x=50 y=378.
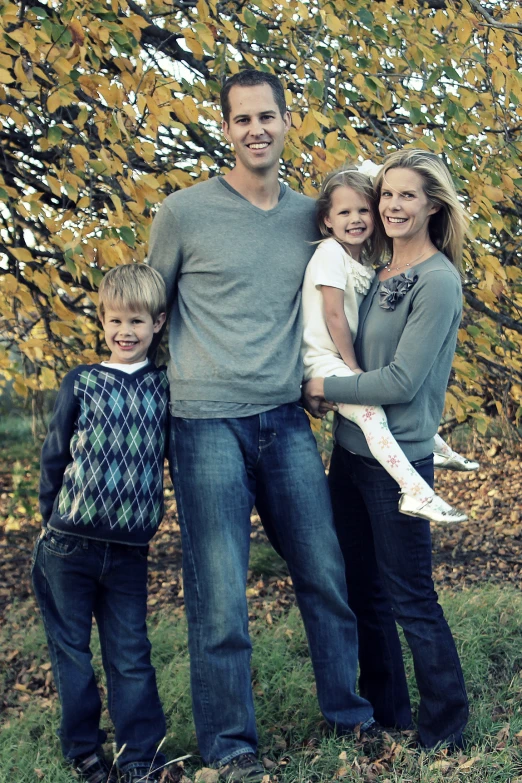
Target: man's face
x=255 y=127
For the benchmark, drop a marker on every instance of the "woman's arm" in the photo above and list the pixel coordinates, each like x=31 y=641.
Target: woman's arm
x=338 y=326
x=432 y=322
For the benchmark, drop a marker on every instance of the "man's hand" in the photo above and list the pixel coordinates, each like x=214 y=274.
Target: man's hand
x=313 y=398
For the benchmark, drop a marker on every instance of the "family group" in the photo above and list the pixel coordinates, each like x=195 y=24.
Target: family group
x=275 y=303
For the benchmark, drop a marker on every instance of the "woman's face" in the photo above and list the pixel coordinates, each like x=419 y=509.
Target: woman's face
x=403 y=206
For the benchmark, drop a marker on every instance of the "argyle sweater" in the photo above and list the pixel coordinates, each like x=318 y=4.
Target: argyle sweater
x=102 y=460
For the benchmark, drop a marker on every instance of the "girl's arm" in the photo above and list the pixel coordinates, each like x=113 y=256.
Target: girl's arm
x=338 y=326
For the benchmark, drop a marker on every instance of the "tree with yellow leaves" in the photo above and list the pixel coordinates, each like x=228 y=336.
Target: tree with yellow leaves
x=107 y=106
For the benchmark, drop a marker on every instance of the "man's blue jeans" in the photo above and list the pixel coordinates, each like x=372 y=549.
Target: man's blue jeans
x=388 y=572
x=75 y=578
x=222 y=468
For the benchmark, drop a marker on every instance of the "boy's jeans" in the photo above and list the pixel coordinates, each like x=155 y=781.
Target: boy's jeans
x=75 y=578
x=221 y=469
x=388 y=571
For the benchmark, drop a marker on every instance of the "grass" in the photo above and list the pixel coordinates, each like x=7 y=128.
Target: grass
x=488 y=632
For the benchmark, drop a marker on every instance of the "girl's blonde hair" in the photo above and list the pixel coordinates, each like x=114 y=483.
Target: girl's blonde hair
x=133 y=287
x=349 y=176
x=448 y=226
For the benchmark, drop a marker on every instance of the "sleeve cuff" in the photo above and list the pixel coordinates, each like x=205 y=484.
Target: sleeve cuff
x=342 y=389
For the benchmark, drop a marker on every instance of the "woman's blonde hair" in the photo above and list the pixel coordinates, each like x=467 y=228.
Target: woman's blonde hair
x=448 y=226
x=133 y=287
x=349 y=176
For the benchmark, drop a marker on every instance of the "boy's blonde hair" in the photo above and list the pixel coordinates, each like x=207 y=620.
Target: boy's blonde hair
x=133 y=287
x=448 y=227
x=349 y=176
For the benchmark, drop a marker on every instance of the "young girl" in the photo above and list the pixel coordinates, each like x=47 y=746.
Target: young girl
x=337 y=278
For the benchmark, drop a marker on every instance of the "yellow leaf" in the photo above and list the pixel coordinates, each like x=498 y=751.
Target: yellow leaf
x=191 y=109
x=77 y=33
x=465 y=30
x=9 y=284
x=334 y=24
x=21 y=253
x=321 y=117
x=494 y=194
x=309 y=125
x=53 y=102
x=5 y=76
x=61 y=310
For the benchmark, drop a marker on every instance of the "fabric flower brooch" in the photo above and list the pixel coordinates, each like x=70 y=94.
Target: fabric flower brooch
x=393 y=290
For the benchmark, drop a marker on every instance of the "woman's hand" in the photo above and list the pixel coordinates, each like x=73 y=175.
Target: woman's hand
x=313 y=398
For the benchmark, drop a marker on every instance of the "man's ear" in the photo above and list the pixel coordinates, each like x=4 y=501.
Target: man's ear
x=287 y=119
x=224 y=128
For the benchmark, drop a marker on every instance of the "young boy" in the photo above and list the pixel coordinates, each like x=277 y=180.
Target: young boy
x=101 y=499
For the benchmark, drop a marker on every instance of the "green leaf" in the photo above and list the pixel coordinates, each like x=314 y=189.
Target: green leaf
x=250 y=19
x=41 y=13
x=262 y=35
x=316 y=89
x=365 y=16
x=127 y=234
x=451 y=73
x=54 y=134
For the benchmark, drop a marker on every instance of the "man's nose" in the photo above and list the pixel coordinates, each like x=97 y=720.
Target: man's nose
x=256 y=128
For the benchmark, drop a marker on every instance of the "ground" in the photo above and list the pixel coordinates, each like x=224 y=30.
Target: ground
x=471 y=560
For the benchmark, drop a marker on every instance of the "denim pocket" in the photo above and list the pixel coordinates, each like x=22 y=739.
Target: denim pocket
x=61 y=544
x=141 y=553
x=418 y=463
x=373 y=464
x=35 y=549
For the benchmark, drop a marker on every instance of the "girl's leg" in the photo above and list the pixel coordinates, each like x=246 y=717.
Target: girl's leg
x=383 y=446
x=441 y=447
x=445 y=457
x=417 y=497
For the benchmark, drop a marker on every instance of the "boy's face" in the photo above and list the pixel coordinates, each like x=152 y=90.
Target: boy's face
x=129 y=333
x=255 y=127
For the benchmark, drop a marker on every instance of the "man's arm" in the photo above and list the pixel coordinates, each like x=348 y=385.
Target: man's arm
x=56 y=451
x=164 y=253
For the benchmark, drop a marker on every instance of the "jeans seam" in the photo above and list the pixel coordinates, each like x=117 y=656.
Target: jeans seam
x=190 y=556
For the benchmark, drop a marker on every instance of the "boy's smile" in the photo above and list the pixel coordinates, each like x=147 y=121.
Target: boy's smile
x=129 y=333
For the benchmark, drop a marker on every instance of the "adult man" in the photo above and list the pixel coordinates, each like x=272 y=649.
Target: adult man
x=233 y=250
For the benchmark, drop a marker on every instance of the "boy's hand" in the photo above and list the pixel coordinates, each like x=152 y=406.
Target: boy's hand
x=314 y=400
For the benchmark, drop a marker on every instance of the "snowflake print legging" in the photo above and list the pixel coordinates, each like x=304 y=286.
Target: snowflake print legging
x=383 y=446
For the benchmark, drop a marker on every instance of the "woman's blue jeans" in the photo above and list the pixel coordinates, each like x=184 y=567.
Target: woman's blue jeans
x=75 y=578
x=222 y=468
x=388 y=572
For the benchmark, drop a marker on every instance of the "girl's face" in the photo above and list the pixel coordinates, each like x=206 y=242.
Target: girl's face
x=350 y=218
x=403 y=206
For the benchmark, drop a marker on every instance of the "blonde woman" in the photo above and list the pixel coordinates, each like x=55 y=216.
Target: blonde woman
x=406 y=339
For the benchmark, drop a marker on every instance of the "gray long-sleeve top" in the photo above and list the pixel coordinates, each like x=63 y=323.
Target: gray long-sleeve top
x=407 y=355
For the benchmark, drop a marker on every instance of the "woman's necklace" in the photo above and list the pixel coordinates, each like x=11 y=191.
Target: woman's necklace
x=389 y=268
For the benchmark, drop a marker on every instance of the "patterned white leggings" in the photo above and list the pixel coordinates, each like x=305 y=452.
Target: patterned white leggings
x=383 y=446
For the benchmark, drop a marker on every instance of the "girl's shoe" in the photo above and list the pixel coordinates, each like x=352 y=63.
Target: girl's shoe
x=434 y=509
x=454 y=462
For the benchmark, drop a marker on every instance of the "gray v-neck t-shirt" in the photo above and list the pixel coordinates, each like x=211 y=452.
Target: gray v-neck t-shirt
x=233 y=274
